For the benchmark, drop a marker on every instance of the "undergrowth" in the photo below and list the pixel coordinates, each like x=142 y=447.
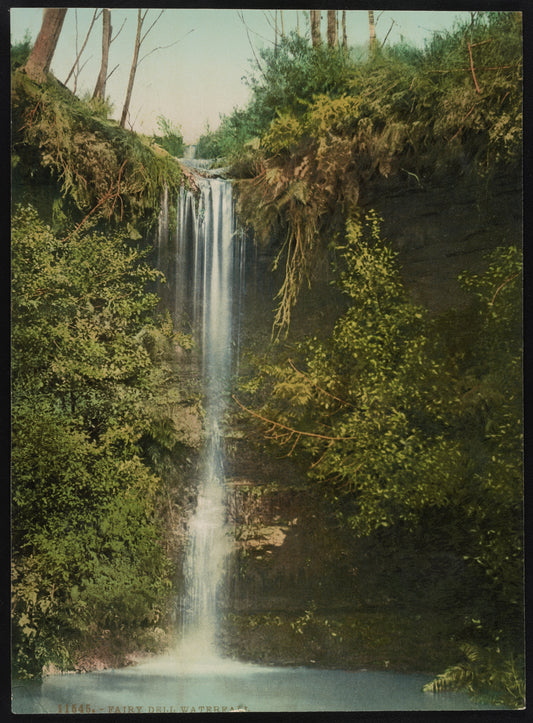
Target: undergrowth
x=96 y=168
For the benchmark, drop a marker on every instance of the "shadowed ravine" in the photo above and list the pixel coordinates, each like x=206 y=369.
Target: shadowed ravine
x=194 y=676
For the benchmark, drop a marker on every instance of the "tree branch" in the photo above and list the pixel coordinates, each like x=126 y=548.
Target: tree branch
x=289 y=431
x=96 y=15
x=500 y=287
x=472 y=68
x=119 y=31
x=163 y=47
x=151 y=26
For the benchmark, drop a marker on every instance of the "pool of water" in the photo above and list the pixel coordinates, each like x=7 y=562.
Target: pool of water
x=163 y=685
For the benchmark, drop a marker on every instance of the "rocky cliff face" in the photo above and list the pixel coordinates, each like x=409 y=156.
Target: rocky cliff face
x=441 y=231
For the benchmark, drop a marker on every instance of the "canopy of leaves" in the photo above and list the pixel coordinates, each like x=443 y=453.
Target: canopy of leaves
x=87 y=539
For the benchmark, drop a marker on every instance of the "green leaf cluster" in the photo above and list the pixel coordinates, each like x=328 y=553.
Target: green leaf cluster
x=280 y=79
x=87 y=537
x=407 y=423
x=170 y=137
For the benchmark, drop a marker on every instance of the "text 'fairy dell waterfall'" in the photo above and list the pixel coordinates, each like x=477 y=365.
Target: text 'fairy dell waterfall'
x=208 y=274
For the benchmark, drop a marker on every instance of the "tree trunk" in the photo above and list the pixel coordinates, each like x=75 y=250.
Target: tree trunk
x=38 y=63
x=372 y=28
x=76 y=67
x=315 y=27
x=344 y=34
x=99 y=89
x=134 y=62
x=332 y=29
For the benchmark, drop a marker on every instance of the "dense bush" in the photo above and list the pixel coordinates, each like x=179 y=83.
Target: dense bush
x=170 y=137
x=87 y=542
x=283 y=79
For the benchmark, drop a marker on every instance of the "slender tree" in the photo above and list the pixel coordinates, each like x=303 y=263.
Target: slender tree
x=133 y=70
x=332 y=29
x=372 y=29
x=315 y=27
x=139 y=40
x=99 y=89
x=344 y=34
x=40 y=59
x=75 y=70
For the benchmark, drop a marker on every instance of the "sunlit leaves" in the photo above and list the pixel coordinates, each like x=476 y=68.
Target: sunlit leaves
x=86 y=548
x=413 y=418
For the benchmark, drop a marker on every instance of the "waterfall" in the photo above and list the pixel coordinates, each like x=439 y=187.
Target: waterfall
x=208 y=273
x=162 y=226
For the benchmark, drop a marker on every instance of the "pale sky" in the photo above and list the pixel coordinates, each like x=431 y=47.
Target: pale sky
x=200 y=77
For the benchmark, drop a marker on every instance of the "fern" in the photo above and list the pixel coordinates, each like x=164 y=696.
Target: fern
x=484 y=672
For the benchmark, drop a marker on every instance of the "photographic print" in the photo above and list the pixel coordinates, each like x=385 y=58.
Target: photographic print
x=266 y=360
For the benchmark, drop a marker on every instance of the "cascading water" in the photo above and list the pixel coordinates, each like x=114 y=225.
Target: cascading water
x=208 y=255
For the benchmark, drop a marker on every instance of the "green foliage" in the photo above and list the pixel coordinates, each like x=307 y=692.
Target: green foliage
x=290 y=76
x=21 y=51
x=229 y=139
x=97 y=168
x=281 y=81
x=416 y=114
x=486 y=673
x=170 y=137
x=404 y=424
x=87 y=552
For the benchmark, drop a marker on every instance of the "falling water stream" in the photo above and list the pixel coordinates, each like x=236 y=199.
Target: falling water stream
x=210 y=273
x=195 y=677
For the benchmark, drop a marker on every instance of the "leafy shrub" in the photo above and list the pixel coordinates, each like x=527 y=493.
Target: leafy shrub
x=21 y=51
x=170 y=137
x=87 y=550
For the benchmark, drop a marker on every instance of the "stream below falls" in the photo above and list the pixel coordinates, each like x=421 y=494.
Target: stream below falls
x=169 y=685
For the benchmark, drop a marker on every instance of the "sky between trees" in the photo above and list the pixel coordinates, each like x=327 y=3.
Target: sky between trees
x=195 y=59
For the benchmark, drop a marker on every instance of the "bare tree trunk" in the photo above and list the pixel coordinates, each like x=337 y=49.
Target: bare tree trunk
x=282 y=23
x=372 y=28
x=298 y=23
x=40 y=59
x=344 y=34
x=99 y=89
x=133 y=70
x=332 y=29
x=75 y=67
x=315 y=28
